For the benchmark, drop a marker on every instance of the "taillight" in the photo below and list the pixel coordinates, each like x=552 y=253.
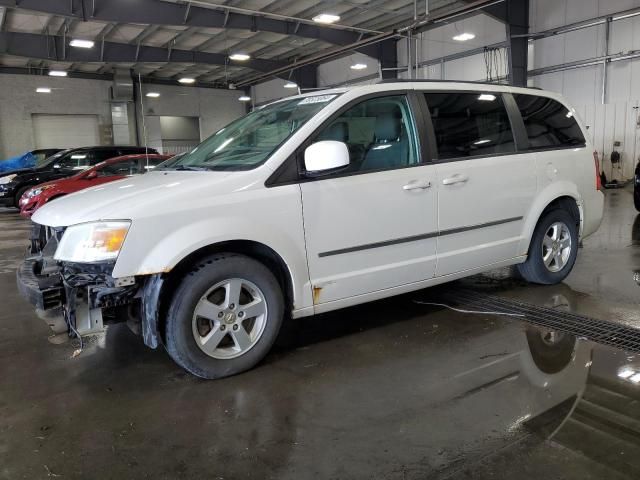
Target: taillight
x=597 y=165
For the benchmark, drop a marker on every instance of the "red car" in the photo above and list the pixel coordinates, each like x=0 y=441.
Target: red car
x=107 y=171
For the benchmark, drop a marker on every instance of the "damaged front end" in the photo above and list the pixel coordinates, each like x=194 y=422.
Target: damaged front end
x=82 y=298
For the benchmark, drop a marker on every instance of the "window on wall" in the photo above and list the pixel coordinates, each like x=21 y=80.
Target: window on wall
x=470 y=124
x=379 y=133
x=549 y=124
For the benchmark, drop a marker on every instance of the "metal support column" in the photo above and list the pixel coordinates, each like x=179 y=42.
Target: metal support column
x=607 y=34
x=517 y=23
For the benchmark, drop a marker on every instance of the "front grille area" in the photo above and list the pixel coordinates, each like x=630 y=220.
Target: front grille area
x=600 y=331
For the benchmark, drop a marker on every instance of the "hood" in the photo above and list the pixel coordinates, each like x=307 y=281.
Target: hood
x=19 y=171
x=143 y=196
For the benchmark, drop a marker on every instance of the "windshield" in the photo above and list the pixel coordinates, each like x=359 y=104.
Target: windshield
x=53 y=158
x=247 y=142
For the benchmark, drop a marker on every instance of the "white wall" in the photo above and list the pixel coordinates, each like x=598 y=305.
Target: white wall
x=438 y=42
x=338 y=72
x=19 y=101
x=214 y=107
x=616 y=119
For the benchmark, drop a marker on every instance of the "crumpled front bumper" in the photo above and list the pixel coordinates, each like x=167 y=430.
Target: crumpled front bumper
x=45 y=292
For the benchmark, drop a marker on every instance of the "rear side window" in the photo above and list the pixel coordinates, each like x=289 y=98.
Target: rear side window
x=102 y=155
x=548 y=123
x=470 y=124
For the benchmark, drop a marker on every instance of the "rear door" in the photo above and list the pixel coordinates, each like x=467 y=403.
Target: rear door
x=485 y=187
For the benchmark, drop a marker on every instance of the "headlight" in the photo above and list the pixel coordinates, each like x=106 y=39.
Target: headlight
x=92 y=242
x=38 y=190
x=7 y=178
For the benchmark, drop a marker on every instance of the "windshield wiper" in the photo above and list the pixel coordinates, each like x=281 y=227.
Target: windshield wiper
x=186 y=168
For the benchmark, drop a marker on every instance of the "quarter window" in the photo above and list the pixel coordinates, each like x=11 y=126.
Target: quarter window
x=470 y=124
x=379 y=133
x=549 y=124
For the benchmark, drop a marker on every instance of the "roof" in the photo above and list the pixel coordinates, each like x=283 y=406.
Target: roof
x=161 y=39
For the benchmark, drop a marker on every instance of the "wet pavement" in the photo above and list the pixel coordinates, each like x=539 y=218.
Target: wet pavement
x=389 y=390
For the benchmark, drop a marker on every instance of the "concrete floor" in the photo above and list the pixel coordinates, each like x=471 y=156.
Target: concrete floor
x=391 y=390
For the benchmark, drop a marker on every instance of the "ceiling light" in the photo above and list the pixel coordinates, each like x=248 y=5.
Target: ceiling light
x=153 y=94
x=244 y=98
x=57 y=73
x=463 y=37
x=290 y=85
x=359 y=66
x=43 y=90
x=239 y=57
x=487 y=97
x=326 y=18
x=76 y=42
x=187 y=81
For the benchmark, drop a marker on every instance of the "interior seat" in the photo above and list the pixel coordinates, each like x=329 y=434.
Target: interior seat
x=389 y=148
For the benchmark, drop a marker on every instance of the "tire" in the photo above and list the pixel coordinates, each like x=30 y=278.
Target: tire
x=551 y=351
x=232 y=341
x=16 y=200
x=534 y=269
x=636 y=193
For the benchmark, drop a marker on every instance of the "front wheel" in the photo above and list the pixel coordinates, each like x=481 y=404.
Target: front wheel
x=224 y=316
x=553 y=249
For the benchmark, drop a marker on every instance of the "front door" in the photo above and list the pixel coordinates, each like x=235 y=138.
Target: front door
x=374 y=226
x=484 y=188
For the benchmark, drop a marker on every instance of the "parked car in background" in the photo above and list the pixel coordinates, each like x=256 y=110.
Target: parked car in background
x=107 y=171
x=63 y=164
x=318 y=202
x=27 y=160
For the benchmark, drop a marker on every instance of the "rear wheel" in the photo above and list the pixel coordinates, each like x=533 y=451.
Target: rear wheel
x=224 y=317
x=553 y=249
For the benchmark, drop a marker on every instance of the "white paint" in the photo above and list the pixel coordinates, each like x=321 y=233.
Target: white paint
x=176 y=213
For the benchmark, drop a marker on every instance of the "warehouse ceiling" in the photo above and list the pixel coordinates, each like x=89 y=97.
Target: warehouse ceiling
x=179 y=39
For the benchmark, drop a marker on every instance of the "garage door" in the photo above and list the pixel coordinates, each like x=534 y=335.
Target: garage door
x=65 y=131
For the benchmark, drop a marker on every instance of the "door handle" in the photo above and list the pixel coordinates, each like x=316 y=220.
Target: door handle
x=457 y=178
x=417 y=185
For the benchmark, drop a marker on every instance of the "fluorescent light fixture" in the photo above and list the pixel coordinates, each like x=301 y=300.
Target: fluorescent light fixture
x=244 y=98
x=239 y=57
x=76 y=42
x=187 y=80
x=153 y=94
x=57 y=73
x=463 y=37
x=482 y=142
x=290 y=85
x=486 y=97
x=359 y=66
x=43 y=90
x=326 y=18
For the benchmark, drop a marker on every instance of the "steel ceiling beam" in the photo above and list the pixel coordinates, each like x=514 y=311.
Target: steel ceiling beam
x=155 y=12
x=52 y=48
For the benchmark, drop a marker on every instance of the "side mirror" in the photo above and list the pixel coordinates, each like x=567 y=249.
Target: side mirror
x=91 y=175
x=325 y=156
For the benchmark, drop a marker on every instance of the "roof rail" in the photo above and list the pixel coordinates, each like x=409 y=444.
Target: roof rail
x=472 y=82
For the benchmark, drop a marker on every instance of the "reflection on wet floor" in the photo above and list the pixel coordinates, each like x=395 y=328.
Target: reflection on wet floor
x=390 y=390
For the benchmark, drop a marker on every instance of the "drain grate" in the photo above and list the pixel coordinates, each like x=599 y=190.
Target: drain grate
x=601 y=331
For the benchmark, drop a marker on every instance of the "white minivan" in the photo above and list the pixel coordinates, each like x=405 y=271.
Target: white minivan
x=317 y=202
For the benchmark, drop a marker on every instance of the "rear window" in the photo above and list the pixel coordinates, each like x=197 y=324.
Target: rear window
x=549 y=124
x=470 y=124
